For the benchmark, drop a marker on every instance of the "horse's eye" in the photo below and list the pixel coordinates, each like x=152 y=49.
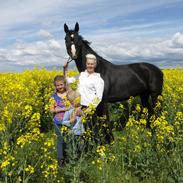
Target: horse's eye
x=66 y=40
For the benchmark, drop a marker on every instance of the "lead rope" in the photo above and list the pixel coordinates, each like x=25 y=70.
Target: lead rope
x=69 y=60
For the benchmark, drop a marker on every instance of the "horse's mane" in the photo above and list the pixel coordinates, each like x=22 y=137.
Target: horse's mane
x=85 y=41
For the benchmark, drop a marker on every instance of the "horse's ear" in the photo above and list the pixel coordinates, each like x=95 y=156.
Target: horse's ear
x=66 y=29
x=76 y=27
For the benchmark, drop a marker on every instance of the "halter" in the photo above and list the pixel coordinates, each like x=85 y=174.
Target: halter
x=69 y=60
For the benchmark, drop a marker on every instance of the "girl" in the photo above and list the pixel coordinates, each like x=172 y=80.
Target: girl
x=68 y=116
x=58 y=107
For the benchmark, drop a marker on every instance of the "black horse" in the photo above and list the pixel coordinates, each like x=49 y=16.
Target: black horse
x=121 y=81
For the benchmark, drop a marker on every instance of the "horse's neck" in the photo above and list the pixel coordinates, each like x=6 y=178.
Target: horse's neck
x=81 y=60
x=79 y=64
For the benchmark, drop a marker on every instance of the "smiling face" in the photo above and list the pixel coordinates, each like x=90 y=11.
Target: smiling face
x=90 y=65
x=72 y=41
x=60 y=86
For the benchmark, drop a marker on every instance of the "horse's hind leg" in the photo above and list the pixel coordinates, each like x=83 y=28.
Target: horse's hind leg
x=155 y=88
x=154 y=99
x=145 y=100
x=145 y=104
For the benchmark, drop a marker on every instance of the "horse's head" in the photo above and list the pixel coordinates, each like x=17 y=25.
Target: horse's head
x=72 y=41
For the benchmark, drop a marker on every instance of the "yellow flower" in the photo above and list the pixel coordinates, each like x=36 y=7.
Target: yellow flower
x=75 y=84
x=2 y=127
x=137 y=148
x=138 y=108
x=10 y=174
x=28 y=111
x=121 y=106
x=5 y=163
x=101 y=150
x=29 y=169
x=19 y=178
x=64 y=129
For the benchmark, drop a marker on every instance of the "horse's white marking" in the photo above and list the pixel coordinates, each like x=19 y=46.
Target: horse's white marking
x=73 y=50
x=72 y=35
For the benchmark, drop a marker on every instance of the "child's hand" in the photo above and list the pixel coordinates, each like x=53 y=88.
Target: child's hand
x=58 y=109
x=73 y=117
x=79 y=112
x=66 y=65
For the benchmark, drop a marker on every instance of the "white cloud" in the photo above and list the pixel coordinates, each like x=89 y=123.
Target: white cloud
x=45 y=34
x=54 y=44
x=141 y=49
x=177 y=40
x=43 y=53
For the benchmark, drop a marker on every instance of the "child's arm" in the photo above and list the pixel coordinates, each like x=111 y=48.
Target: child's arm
x=59 y=109
x=54 y=108
x=65 y=71
x=73 y=117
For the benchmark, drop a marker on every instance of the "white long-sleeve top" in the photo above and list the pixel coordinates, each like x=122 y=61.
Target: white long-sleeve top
x=91 y=87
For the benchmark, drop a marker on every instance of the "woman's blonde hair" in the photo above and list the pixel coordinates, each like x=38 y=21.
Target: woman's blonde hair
x=91 y=56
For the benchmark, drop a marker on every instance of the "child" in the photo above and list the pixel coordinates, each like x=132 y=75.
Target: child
x=58 y=107
x=72 y=117
x=68 y=116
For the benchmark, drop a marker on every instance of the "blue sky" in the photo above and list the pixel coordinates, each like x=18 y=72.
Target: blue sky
x=31 y=32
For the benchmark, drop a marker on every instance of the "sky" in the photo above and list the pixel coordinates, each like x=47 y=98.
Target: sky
x=121 y=31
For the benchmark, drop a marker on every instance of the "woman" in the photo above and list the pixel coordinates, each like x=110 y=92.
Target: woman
x=91 y=88
x=91 y=85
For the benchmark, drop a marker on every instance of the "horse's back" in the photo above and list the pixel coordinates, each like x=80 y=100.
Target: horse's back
x=131 y=80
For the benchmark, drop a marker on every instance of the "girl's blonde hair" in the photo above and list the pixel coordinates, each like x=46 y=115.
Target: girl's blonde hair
x=59 y=78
